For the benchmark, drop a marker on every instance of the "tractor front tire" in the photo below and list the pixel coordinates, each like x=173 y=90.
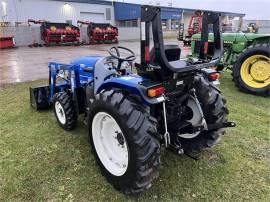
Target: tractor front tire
x=64 y=110
x=215 y=112
x=122 y=136
x=251 y=72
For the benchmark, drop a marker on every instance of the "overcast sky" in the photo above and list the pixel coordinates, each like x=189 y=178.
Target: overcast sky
x=254 y=9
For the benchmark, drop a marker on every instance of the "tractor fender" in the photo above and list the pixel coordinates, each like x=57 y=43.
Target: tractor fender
x=133 y=84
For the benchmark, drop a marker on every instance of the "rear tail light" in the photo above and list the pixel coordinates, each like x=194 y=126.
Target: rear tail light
x=155 y=91
x=213 y=76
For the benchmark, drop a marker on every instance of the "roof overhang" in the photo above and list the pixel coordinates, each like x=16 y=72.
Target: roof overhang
x=100 y=2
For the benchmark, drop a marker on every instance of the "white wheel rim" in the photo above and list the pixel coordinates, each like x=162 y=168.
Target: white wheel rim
x=60 y=113
x=110 y=143
x=195 y=120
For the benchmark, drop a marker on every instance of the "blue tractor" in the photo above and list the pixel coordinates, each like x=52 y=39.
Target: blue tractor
x=169 y=102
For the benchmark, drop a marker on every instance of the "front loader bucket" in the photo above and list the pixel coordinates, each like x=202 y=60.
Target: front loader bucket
x=40 y=97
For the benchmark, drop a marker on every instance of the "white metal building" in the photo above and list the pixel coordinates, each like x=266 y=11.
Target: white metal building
x=56 y=10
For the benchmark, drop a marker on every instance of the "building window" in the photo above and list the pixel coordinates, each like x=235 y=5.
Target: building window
x=127 y=23
x=108 y=14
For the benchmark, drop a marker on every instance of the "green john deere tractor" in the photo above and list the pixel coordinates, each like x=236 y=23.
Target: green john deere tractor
x=247 y=55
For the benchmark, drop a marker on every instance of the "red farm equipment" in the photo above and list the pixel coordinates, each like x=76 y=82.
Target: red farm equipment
x=58 y=33
x=194 y=27
x=7 y=42
x=101 y=32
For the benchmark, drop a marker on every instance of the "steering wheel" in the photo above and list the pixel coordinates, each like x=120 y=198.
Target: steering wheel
x=114 y=52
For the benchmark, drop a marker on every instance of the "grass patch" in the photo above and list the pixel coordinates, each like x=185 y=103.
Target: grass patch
x=41 y=161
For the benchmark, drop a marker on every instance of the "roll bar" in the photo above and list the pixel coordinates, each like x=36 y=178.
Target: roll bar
x=151 y=15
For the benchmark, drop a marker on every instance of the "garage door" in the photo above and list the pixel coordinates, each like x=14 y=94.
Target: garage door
x=93 y=17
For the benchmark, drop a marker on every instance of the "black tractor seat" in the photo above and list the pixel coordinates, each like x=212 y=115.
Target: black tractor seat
x=173 y=53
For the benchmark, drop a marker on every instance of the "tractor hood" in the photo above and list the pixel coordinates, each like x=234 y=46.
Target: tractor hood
x=251 y=36
x=87 y=61
x=234 y=37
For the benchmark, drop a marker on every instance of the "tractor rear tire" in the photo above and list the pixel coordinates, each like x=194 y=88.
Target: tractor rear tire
x=253 y=77
x=215 y=112
x=64 y=110
x=122 y=115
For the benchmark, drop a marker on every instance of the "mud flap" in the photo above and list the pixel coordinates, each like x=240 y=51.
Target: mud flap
x=40 y=97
